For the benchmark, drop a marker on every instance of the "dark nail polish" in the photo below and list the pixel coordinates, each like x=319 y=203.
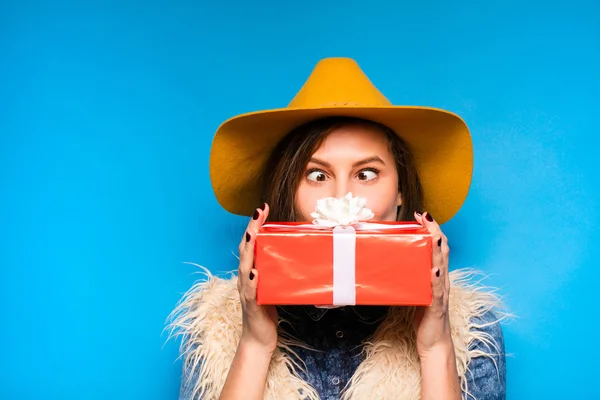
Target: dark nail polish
x=440 y=242
x=436 y=274
x=255 y=216
x=251 y=275
x=248 y=237
x=264 y=205
x=429 y=217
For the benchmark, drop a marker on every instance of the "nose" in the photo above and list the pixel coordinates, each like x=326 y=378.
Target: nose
x=341 y=188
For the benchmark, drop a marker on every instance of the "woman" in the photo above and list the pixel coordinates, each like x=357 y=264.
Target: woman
x=326 y=143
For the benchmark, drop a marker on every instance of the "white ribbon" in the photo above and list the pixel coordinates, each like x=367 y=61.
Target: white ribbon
x=344 y=255
x=344 y=266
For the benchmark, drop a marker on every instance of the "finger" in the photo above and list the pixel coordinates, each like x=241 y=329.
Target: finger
x=440 y=243
x=255 y=222
x=247 y=255
x=441 y=251
x=437 y=256
x=445 y=245
x=419 y=217
x=250 y=288
x=257 y=219
x=247 y=248
x=438 y=275
x=265 y=214
x=431 y=224
x=249 y=228
x=253 y=275
x=248 y=243
x=437 y=287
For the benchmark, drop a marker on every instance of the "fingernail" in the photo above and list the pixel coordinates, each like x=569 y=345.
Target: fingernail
x=436 y=274
x=418 y=214
x=248 y=237
x=251 y=275
x=429 y=217
x=255 y=216
x=264 y=205
x=440 y=242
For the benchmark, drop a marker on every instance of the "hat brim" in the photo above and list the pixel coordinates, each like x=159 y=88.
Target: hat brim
x=439 y=141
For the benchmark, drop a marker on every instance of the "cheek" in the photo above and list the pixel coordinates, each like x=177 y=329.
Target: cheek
x=384 y=212
x=305 y=202
x=384 y=204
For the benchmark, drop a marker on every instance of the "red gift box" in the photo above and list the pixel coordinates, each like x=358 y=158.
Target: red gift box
x=383 y=263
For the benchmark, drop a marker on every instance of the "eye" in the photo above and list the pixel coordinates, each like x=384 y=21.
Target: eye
x=367 y=174
x=316 y=175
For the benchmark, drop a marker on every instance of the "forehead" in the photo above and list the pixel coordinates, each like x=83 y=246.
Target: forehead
x=355 y=138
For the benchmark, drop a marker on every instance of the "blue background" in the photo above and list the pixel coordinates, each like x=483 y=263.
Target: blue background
x=107 y=112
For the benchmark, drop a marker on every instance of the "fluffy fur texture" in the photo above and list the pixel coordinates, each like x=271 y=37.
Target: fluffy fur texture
x=209 y=321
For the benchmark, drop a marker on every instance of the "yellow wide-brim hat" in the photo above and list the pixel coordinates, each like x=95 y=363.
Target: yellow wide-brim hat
x=439 y=140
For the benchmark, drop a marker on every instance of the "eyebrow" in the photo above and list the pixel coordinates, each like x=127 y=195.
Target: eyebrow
x=367 y=160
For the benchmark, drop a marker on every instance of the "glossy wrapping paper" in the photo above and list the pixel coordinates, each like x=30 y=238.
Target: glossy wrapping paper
x=391 y=264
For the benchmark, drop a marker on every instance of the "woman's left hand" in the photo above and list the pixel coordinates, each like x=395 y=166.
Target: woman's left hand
x=432 y=323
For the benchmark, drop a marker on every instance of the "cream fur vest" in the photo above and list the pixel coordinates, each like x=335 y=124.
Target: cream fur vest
x=209 y=319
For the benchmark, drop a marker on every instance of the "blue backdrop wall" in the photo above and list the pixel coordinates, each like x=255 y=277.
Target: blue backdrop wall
x=107 y=112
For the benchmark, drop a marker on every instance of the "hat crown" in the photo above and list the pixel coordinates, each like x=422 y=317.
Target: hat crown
x=338 y=82
x=337 y=87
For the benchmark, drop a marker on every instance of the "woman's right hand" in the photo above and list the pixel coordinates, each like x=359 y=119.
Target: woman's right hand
x=247 y=376
x=259 y=322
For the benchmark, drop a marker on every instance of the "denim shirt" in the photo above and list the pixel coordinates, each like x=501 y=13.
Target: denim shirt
x=337 y=335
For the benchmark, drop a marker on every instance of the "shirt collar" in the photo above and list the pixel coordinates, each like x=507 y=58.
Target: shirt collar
x=365 y=313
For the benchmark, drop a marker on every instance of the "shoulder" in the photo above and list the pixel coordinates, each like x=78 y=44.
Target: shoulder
x=486 y=375
x=189 y=377
x=198 y=321
x=488 y=324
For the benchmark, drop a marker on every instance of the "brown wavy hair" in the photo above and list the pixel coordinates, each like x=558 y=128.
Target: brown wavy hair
x=287 y=163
